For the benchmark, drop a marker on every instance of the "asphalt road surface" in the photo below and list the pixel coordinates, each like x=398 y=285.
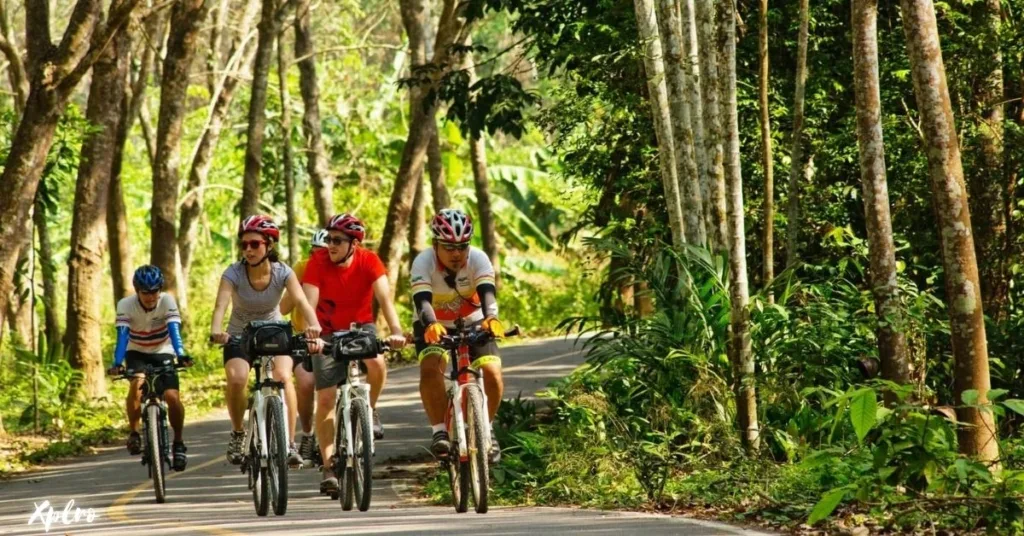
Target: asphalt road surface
x=211 y=496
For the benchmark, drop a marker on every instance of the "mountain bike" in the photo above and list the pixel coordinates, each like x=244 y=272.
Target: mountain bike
x=469 y=428
x=265 y=456
x=353 y=437
x=156 y=448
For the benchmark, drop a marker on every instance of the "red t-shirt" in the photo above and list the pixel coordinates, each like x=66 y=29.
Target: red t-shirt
x=346 y=294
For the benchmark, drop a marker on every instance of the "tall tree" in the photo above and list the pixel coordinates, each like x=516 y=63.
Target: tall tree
x=768 y=241
x=647 y=24
x=49 y=269
x=452 y=29
x=709 y=77
x=286 y=151
x=187 y=18
x=960 y=266
x=417 y=221
x=681 y=120
x=739 y=341
x=692 y=90
x=317 y=165
x=797 y=143
x=892 y=343
x=414 y=20
x=257 y=120
x=16 y=72
x=55 y=71
x=85 y=263
x=239 y=55
x=987 y=186
x=478 y=160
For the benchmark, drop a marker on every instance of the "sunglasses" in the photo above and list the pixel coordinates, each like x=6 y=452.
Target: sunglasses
x=150 y=292
x=337 y=241
x=251 y=244
x=455 y=247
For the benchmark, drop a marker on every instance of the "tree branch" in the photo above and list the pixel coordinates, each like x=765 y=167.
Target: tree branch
x=19 y=80
x=85 y=18
x=37 y=32
x=119 y=18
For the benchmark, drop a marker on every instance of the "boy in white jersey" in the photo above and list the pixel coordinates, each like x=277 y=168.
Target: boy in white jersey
x=149 y=333
x=450 y=281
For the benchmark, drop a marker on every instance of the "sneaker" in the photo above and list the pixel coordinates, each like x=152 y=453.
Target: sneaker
x=307 y=446
x=495 y=451
x=180 y=459
x=329 y=484
x=294 y=459
x=378 y=428
x=441 y=445
x=134 y=444
x=234 y=453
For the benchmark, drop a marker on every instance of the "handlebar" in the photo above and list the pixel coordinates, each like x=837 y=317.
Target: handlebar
x=149 y=370
x=472 y=337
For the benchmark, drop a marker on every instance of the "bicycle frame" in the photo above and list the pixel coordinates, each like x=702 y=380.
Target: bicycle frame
x=262 y=390
x=461 y=372
x=344 y=405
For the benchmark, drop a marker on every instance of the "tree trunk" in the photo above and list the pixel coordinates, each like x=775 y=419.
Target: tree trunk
x=52 y=83
x=317 y=165
x=963 y=290
x=987 y=186
x=85 y=262
x=435 y=170
x=892 y=343
x=796 y=168
x=717 y=235
x=241 y=54
x=187 y=18
x=417 y=222
x=647 y=24
x=50 y=299
x=451 y=30
x=681 y=120
x=414 y=20
x=16 y=71
x=768 y=241
x=257 y=123
x=739 y=343
x=692 y=90
x=478 y=159
x=289 y=158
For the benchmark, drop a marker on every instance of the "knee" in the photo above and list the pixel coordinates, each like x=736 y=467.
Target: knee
x=325 y=401
x=172 y=397
x=376 y=365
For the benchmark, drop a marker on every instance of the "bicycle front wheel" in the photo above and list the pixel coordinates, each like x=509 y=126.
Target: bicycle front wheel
x=260 y=480
x=155 y=452
x=362 y=430
x=458 y=465
x=476 y=420
x=278 y=451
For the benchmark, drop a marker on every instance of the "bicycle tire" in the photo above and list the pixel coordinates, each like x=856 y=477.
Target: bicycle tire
x=157 y=469
x=458 y=470
x=362 y=472
x=476 y=441
x=261 y=483
x=342 y=469
x=278 y=451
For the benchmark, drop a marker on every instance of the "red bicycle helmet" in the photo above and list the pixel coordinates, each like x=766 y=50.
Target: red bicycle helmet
x=452 y=225
x=348 y=224
x=260 y=224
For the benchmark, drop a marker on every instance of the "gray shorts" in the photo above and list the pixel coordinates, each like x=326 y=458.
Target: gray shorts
x=330 y=373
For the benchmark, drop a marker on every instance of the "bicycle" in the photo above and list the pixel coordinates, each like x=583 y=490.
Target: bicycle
x=156 y=449
x=353 y=437
x=469 y=428
x=265 y=458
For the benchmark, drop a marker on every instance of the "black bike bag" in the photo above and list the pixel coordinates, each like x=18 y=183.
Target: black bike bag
x=266 y=338
x=349 y=345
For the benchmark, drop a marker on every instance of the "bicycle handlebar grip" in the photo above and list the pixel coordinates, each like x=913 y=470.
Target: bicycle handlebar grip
x=514 y=332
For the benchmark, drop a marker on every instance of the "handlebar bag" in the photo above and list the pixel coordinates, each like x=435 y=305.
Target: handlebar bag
x=355 y=345
x=267 y=338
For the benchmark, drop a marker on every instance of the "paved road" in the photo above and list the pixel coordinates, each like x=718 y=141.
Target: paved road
x=211 y=497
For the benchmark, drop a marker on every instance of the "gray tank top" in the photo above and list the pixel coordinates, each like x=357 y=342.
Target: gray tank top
x=247 y=303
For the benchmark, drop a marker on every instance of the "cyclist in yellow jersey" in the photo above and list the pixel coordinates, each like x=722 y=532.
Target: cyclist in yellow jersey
x=304 y=381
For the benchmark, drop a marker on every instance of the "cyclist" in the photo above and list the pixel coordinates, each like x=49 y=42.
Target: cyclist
x=341 y=283
x=254 y=287
x=149 y=333
x=304 y=390
x=453 y=280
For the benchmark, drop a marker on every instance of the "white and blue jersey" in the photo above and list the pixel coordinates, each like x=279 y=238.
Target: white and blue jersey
x=157 y=331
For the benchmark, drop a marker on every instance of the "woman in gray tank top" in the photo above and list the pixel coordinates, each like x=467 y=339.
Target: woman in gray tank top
x=254 y=287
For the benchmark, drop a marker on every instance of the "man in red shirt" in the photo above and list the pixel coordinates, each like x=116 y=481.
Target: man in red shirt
x=340 y=284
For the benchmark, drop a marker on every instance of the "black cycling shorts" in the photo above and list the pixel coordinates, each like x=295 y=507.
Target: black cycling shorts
x=234 y=350
x=135 y=359
x=481 y=354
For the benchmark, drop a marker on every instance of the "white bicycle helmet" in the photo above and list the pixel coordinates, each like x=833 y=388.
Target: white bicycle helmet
x=319 y=239
x=452 y=225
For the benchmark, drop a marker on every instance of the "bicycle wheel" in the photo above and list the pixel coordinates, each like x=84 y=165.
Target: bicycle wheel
x=278 y=450
x=477 y=443
x=342 y=467
x=458 y=469
x=157 y=462
x=259 y=478
x=362 y=472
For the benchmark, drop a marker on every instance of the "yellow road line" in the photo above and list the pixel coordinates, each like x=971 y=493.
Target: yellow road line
x=117 y=508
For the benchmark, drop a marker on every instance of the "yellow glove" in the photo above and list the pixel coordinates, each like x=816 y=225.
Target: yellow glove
x=493 y=325
x=434 y=332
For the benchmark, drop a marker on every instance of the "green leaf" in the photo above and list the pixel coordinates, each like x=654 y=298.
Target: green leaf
x=1015 y=404
x=826 y=505
x=863 y=410
x=996 y=394
x=970 y=397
